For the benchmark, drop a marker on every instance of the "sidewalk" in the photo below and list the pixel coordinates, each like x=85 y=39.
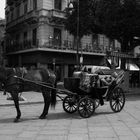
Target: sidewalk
x=30 y=98
x=104 y=124
x=134 y=91
x=36 y=97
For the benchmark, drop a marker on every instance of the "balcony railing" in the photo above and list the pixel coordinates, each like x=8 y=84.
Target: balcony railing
x=69 y=46
x=18 y=46
x=57 y=13
x=54 y=45
x=29 y=17
x=10 y=2
x=64 y=46
x=122 y=54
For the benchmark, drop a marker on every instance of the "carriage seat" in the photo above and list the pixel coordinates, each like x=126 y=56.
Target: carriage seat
x=71 y=83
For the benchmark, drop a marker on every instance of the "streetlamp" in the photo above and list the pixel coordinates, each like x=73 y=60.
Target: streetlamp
x=77 y=33
x=50 y=40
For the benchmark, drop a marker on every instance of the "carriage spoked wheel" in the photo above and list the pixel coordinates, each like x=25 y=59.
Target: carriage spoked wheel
x=117 y=99
x=86 y=107
x=70 y=104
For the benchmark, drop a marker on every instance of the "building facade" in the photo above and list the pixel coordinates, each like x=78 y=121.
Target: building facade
x=2 y=38
x=35 y=36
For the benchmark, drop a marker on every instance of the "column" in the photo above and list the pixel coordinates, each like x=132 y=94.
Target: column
x=65 y=70
x=19 y=61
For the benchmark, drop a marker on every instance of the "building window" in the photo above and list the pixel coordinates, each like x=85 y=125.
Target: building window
x=12 y=15
x=57 y=4
x=122 y=2
x=34 y=36
x=57 y=36
x=25 y=8
x=18 y=11
x=17 y=41
x=101 y=40
x=7 y=18
x=17 y=38
x=34 y=4
x=25 y=38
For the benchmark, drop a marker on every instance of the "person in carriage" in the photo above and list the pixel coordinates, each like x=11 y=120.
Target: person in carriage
x=107 y=80
x=87 y=93
x=89 y=82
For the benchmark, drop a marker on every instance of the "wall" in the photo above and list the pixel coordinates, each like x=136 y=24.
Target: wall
x=44 y=31
x=137 y=51
x=48 y=4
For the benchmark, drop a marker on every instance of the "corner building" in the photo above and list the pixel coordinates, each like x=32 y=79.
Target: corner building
x=35 y=37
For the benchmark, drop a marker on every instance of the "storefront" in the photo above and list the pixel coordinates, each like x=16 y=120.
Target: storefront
x=61 y=62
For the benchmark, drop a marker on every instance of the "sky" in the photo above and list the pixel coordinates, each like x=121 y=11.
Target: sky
x=2 y=10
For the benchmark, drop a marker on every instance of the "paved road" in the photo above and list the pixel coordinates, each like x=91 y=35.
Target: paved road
x=103 y=125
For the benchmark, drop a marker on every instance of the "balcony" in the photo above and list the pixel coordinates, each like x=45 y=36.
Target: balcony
x=19 y=46
x=57 y=13
x=10 y=2
x=57 y=16
x=30 y=17
x=64 y=46
x=119 y=54
x=68 y=47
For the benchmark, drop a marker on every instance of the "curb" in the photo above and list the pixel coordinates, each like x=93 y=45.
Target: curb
x=127 y=94
x=27 y=103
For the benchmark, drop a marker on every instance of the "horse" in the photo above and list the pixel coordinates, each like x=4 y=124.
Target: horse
x=14 y=83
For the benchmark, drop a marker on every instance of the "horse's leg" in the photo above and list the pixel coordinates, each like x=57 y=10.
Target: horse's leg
x=15 y=98
x=47 y=99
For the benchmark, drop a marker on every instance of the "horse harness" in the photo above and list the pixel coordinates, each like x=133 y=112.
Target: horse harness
x=13 y=73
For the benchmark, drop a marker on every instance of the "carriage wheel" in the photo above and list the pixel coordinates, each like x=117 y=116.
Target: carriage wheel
x=117 y=99
x=70 y=104
x=86 y=107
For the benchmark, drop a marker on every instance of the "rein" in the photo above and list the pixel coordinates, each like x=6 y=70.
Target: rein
x=47 y=85
x=38 y=83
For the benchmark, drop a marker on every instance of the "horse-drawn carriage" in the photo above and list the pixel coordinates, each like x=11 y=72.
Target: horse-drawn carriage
x=84 y=98
x=86 y=101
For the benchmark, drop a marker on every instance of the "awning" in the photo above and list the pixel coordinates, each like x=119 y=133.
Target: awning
x=132 y=67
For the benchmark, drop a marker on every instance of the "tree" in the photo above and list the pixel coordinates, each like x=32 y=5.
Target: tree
x=120 y=20
x=117 y=19
x=79 y=21
x=79 y=18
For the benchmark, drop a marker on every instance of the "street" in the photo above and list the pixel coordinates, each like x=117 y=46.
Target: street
x=103 y=125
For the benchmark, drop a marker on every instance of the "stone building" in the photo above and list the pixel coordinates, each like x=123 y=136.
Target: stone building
x=35 y=36
x=2 y=36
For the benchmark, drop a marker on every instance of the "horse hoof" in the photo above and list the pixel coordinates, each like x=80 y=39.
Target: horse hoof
x=42 y=117
x=16 y=120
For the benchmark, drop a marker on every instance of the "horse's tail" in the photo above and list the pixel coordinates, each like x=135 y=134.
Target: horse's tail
x=53 y=95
